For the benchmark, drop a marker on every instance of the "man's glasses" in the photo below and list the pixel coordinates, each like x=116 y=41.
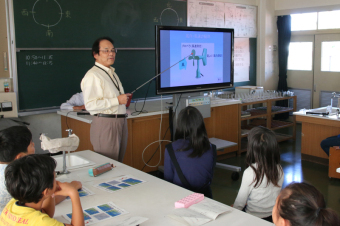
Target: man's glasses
x=109 y=50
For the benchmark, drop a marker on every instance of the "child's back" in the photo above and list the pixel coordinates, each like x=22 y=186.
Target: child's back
x=259 y=200
x=16 y=214
x=262 y=180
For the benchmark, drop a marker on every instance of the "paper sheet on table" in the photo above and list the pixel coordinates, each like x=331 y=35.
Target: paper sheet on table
x=210 y=209
x=119 y=183
x=188 y=217
x=129 y=221
x=83 y=192
x=99 y=213
x=200 y=213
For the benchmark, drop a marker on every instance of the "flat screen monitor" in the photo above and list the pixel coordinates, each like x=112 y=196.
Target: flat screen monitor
x=199 y=59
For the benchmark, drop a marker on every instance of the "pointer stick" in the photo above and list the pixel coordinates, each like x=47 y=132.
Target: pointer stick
x=158 y=74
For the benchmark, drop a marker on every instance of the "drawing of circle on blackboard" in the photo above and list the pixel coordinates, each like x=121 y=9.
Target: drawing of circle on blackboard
x=170 y=15
x=47 y=13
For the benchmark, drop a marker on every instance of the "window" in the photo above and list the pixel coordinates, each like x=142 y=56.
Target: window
x=316 y=21
x=300 y=56
x=329 y=20
x=304 y=21
x=330 y=56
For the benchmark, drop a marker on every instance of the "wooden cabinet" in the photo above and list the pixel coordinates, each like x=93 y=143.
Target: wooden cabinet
x=222 y=124
x=314 y=130
x=261 y=113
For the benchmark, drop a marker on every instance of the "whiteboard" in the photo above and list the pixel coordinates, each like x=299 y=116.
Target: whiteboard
x=223 y=15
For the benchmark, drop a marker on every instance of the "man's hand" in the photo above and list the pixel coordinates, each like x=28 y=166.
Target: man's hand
x=79 y=107
x=123 y=99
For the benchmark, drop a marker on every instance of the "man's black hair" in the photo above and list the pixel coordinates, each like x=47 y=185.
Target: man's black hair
x=26 y=178
x=95 y=46
x=13 y=141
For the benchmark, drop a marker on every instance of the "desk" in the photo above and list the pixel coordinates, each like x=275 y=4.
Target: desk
x=144 y=129
x=316 y=128
x=153 y=199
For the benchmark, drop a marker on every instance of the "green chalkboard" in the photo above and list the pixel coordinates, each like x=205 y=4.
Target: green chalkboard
x=49 y=78
x=46 y=78
x=75 y=23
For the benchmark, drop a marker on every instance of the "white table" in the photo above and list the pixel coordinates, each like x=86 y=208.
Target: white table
x=154 y=199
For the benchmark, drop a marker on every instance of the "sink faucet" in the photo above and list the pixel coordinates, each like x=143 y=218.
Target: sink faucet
x=65 y=171
x=333 y=96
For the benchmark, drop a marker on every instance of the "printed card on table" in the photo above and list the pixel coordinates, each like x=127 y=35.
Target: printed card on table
x=83 y=192
x=99 y=213
x=119 y=183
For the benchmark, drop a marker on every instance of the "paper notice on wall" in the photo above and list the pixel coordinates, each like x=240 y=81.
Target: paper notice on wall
x=242 y=18
x=241 y=59
x=205 y=14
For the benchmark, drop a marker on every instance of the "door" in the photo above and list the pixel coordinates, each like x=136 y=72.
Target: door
x=300 y=69
x=326 y=69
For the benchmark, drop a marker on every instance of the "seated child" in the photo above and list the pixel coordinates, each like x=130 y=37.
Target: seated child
x=31 y=182
x=16 y=142
x=195 y=155
x=302 y=204
x=262 y=180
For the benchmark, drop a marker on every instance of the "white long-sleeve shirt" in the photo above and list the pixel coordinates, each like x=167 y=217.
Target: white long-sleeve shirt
x=260 y=200
x=76 y=100
x=100 y=94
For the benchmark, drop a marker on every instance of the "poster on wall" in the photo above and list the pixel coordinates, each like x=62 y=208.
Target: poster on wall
x=241 y=59
x=223 y=15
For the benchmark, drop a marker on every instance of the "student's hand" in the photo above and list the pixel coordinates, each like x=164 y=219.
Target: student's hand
x=76 y=184
x=65 y=189
x=79 y=107
x=123 y=99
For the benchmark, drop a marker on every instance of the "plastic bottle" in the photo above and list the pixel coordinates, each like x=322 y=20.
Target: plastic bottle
x=6 y=86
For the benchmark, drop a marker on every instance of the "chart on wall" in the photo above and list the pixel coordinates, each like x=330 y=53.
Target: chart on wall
x=223 y=15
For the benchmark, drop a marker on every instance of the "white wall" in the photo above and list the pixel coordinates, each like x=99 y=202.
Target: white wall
x=267 y=63
x=3 y=42
x=295 y=4
x=271 y=39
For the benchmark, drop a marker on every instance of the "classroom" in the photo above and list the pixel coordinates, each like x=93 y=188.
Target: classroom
x=279 y=63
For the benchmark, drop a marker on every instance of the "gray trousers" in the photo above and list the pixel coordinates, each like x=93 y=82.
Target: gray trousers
x=109 y=136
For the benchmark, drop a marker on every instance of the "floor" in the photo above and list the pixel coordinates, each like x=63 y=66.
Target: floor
x=225 y=190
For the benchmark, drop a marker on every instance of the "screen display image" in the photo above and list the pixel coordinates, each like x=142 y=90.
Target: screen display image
x=198 y=58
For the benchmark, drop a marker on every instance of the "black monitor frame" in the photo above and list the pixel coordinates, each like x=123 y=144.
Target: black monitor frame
x=192 y=88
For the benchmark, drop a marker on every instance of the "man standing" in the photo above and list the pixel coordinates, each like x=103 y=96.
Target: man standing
x=105 y=99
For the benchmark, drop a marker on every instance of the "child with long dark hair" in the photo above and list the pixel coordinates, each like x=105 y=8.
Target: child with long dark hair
x=192 y=152
x=302 y=204
x=262 y=180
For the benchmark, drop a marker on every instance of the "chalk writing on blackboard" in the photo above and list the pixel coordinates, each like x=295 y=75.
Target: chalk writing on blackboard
x=50 y=7
x=171 y=10
x=35 y=60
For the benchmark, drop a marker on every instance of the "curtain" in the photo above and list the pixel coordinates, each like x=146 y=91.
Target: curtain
x=284 y=35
